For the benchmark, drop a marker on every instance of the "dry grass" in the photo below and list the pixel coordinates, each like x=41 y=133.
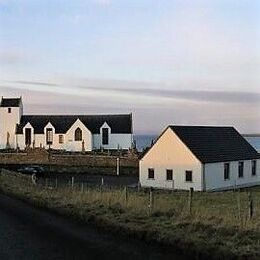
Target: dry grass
x=215 y=225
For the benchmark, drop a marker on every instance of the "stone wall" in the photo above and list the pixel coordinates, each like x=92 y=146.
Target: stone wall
x=42 y=157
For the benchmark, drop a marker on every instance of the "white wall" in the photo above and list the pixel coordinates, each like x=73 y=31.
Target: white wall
x=124 y=141
x=69 y=143
x=8 y=123
x=214 y=175
x=170 y=153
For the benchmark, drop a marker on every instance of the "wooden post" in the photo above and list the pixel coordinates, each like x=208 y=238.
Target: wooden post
x=190 y=200
x=117 y=166
x=72 y=182
x=250 y=205
x=151 y=201
x=82 y=187
x=239 y=204
x=102 y=181
x=126 y=195
x=138 y=186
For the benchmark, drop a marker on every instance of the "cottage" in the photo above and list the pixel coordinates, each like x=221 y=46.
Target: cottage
x=65 y=132
x=201 y=157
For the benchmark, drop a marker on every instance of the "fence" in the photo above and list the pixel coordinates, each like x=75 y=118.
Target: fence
x=238 y=207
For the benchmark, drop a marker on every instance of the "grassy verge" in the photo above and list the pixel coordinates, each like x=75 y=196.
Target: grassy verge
x=215 y=229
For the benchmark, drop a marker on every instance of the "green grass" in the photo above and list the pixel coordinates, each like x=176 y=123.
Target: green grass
x=215 y=228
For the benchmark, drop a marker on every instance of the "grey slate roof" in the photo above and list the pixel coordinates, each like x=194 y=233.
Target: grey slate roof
x=215 y=144
x=118 y=123
x=10 y=102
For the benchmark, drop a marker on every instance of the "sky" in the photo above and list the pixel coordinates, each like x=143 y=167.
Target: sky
x=168 y=62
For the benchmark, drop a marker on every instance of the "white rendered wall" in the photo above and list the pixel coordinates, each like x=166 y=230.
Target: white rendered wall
x=123 y=141
x=214 y=175
x=170 y=153
x=8 y=123
x=69 y=140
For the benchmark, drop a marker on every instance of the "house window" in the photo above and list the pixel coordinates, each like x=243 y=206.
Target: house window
x=241 y=169
x=9 y=110
x=104 y=136
x=253 y=165
x=226 y=171
x=169 y=174
x=78 y=134
x=188 y=176
x=61 y=139
x=150 y=173
x=49 y=136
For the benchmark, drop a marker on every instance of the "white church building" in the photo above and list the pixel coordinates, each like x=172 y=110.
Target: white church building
x=63 y=132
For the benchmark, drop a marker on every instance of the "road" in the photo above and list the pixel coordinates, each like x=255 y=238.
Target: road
x=30 y=233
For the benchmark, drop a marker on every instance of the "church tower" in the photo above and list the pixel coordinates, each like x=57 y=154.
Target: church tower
x=11 y=110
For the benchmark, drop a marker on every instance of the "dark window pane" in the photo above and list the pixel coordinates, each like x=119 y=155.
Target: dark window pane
x=169 y=174
x=254 y=168
x=241 y=169
x=104 y=136
x=188 y=176
x=150 y=173
x=78 y=134
x=226 y=171
x=49 y=136
x=9 y=110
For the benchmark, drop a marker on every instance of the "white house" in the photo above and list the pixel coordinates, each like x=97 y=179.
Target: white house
x=66 y=132
x=201 y=157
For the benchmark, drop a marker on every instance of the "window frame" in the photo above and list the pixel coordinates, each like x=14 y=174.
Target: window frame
x=78 y=135
x=105 y=136
x=49 y=136
x=191 y=176
x=169 y=173
x=61 y=139
x=151 y=171
x=241 y=169
x=253 y=168
x=226 y=171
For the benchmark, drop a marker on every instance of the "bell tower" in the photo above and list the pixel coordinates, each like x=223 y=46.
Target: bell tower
x=11 y=110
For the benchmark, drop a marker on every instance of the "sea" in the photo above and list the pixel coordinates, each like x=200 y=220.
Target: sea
x=144 y=141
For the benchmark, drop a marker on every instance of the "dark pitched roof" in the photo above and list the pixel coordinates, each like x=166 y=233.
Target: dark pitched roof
x=10 y=102
x=215 y=144
x=118 y=123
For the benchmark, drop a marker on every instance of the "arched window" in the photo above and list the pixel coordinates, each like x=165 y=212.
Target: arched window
x=78 y=134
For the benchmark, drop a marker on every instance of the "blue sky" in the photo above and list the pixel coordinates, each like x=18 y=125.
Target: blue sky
x=168 y=62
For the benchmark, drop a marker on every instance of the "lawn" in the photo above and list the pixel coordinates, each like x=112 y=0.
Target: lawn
x=219 y=224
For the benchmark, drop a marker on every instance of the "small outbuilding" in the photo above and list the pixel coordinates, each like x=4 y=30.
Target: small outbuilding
x=200 y=157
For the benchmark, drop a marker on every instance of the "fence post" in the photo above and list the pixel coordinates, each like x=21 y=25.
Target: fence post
x=102 y=181
x=56 y=183
x=117 y=166
x=151 y=201
x=250 y=205
x=82 y=187
x=138 y=186
x=46 y=182
x=190 y=200
x=126 y=195
x=72 y=182
x=239 y=204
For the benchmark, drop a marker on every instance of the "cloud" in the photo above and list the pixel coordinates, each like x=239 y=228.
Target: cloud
x=142 y=89
x=11 y=56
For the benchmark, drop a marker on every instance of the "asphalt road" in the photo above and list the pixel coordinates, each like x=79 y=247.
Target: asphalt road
x=31 y=233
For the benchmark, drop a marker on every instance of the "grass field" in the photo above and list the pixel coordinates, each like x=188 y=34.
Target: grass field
x=218 y=226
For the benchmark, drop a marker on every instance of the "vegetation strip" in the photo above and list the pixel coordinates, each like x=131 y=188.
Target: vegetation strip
x=215 y=227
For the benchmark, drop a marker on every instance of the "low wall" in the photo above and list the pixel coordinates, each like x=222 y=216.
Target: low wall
x=42 y=157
